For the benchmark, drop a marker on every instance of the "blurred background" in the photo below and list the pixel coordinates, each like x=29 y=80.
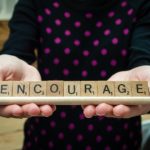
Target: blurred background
x=11 y=130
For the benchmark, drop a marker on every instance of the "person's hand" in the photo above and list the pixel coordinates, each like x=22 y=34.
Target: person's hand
x=13 y=68
x=141 y=73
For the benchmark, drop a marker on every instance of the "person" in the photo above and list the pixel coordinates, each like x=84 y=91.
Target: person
x=79 y=40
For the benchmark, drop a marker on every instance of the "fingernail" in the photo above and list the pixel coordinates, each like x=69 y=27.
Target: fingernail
x=88 y=117
x=43 y=115
x=46 y=115
x=100 y=114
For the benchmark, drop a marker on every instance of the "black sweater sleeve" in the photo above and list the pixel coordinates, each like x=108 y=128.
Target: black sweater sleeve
x=140 y=43
x=23 y=32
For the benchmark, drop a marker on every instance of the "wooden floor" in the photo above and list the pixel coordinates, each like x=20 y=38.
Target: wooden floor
x=11 y=133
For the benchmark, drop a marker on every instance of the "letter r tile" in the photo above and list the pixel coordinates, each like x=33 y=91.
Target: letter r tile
x=88 y=88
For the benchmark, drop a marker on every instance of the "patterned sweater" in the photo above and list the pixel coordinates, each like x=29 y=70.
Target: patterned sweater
x=81 y=40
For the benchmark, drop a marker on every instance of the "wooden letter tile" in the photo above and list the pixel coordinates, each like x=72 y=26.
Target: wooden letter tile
x=88 y=88
x=140 y=88
x=6 y=88
x=38 y=88
x=106 y=88
x=55 y=88
x=123 y=88
x=71 y=88
x=20 y=88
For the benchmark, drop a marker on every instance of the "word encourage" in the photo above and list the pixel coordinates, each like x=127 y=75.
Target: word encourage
x=74 y=88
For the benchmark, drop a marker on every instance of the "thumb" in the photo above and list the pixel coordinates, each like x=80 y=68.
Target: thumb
x=32 y=74
x=120 y=76
x=1 y=77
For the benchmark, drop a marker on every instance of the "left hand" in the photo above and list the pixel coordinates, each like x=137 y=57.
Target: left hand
x=141 y=73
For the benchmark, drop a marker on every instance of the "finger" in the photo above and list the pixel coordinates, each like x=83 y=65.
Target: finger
x=33 y=76
x=46 y=110
x=31 y=110
x=1 y=76
x=89 y=111
x=104 y=110
x=127 y=111
x=123 y=75
x=11 y=111
x=53 y=107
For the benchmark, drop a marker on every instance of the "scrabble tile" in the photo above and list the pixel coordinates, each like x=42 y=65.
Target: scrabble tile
x=140 y=88
x=106 y=88
x=20 y=88
x=88 y=88
x=123 y=88
x=71 y=88
x=38 y=88
x=5 y=88
x=55 y=88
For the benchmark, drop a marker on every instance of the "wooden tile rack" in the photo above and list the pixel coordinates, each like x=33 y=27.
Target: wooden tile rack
x=74 y=92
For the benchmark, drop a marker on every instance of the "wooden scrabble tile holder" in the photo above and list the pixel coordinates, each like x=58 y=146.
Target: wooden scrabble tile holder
x=74 y=92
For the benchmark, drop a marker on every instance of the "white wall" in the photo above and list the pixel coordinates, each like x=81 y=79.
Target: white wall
x=6 y=9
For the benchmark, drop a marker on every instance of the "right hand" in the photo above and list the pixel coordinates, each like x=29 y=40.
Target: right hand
x=13 y=68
